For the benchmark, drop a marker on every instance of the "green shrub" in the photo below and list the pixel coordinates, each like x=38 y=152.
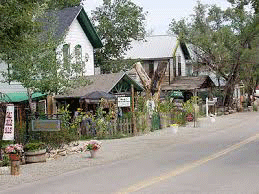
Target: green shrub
x=5 y=161
x=34 y=146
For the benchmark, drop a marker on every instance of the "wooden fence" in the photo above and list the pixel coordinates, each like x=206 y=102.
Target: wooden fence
x=120 y=126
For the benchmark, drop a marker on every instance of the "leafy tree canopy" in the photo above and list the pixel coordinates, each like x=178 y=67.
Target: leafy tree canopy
x=118 y=22
x=30 y=55
x=223 y=40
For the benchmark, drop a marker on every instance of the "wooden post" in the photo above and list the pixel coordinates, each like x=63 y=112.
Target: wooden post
x=134 y=129
x=15 y=167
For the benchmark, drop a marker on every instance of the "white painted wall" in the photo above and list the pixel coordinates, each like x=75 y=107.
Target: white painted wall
x=76 y=36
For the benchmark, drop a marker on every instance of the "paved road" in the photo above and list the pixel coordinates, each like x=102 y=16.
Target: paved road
x=220 y=157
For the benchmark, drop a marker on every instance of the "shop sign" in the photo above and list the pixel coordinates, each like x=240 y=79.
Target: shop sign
x=9 y=123
x=45 y=125
x=123 y=101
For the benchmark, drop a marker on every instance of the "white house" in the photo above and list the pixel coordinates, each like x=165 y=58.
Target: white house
x=155 y=49
x=79 y=40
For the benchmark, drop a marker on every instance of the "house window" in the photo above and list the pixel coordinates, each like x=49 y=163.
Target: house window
x=78 y=53
x=174 y=66
x=66 y=56
x=179 y=66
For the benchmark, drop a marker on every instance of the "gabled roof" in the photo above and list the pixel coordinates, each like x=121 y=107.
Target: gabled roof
x=103 y=82
x=155 y=47
x=189 y=83
x=63 y=18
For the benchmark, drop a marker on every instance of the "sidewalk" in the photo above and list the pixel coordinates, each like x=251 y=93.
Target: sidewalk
x=112 y=150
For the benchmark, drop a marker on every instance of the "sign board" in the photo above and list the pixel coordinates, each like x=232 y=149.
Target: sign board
x=176 y=94
x=150 y=106
x=9 y=123
x=46 y=125
x=123 y=101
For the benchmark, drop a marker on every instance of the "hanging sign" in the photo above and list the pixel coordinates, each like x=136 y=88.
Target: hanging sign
x=9 y=123
x=123 y=101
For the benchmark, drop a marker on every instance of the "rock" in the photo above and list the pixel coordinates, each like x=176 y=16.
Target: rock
x=62 y=153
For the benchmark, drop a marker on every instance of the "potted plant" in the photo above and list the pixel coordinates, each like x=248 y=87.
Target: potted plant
x=93 y=146
x=35 y=152
x=14 y=152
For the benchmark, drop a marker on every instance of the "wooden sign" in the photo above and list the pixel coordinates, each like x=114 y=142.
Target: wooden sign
x=46 y=125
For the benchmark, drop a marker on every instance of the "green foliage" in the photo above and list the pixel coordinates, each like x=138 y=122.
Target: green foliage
x=117 y=23
x=34 y=146
x=166 y=106
x=223 y=40
x=5 y=161
x=57 y=139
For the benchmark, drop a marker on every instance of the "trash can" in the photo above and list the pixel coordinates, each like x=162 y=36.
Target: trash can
x=155 y=121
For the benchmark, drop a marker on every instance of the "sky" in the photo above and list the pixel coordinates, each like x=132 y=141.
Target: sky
x=160 y=13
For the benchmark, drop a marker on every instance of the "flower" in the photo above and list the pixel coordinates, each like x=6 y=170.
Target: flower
x=14 y=149
x=93 y=145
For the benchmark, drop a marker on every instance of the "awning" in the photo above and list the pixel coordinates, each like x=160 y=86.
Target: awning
x=94 y=97
x=19 y=96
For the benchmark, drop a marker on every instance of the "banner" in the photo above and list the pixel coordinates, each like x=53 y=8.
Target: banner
x=9 y=123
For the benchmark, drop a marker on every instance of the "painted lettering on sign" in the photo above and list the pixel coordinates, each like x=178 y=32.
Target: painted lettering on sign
x=123 y=101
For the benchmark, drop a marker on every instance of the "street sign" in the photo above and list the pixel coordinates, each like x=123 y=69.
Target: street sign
x=123 y=101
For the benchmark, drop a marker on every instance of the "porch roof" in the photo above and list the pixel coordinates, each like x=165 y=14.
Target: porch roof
x=105 y=83
x=190 y=83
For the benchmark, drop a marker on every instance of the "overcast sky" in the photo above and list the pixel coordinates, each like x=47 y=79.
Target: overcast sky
x=160 y=13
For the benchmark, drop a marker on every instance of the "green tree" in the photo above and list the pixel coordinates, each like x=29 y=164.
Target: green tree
x=221 y=39
x=29 y=50
x=118 y=22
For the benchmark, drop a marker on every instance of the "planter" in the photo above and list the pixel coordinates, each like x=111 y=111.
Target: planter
x=35 y=156
x=14 y=157
x=15 y=164
x=93 y=153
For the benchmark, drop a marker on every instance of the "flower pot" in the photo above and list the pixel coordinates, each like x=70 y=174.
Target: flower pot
x=35 y=156
x=14 y=157
x=93 y=153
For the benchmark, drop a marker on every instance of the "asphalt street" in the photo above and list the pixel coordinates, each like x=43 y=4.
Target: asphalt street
x=220 y=157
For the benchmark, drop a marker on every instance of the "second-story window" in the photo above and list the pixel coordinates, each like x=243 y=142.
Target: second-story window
x=174 y=66
x=66 y=57
x=179 y=66
x=78 y=54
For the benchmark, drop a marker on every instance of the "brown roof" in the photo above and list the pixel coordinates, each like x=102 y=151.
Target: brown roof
x=189 y=83
x=102 y=82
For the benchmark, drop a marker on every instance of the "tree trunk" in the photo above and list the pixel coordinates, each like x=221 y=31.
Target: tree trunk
x=29 y=93
x=230 y=86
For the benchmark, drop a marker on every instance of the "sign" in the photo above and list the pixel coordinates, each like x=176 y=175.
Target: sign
x=9 y=123
x=150 y=106
x=123 y=101
x=46 y=125
x=176 y=94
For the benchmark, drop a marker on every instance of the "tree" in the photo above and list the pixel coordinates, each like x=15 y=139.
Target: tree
x=118 y=22
x=31 y=52
x=240 y=4
x=222 y=40
x=152 y=85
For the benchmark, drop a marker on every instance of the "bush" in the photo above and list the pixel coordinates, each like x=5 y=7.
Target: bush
x=34 y=146
x=57 y=139
x=5 y=161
